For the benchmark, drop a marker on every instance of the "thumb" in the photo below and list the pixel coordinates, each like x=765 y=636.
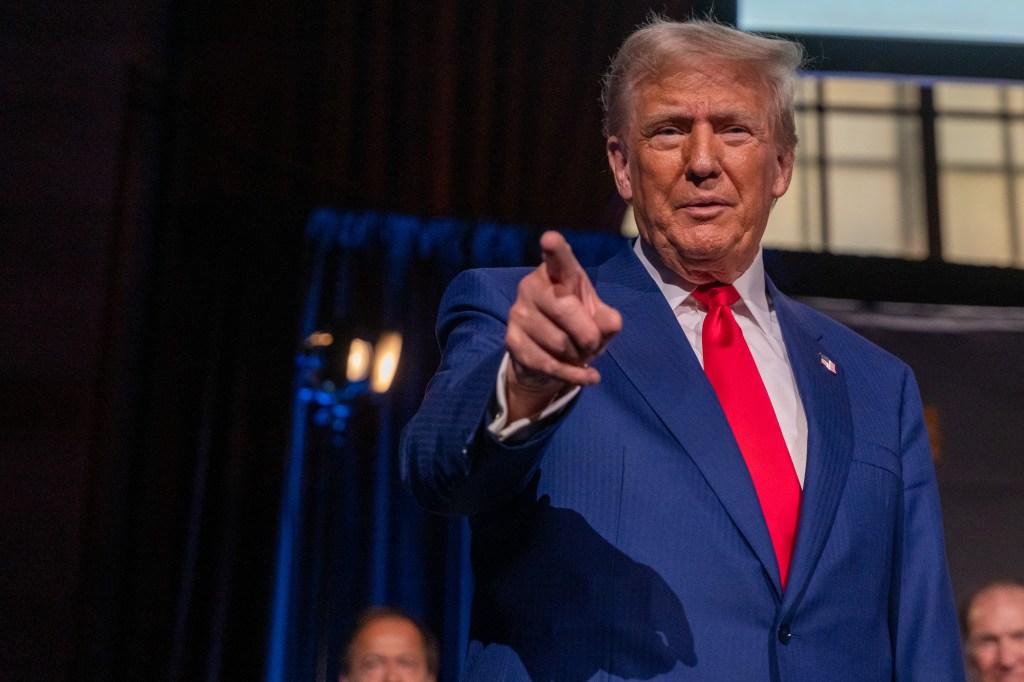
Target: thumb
x=608 y=320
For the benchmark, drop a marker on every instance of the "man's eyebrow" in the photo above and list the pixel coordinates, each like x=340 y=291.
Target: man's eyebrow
x=739 y=115
x=668 y=116
x=747 y=116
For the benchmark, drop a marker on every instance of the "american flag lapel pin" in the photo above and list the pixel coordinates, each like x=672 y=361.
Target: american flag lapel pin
x=827 y=363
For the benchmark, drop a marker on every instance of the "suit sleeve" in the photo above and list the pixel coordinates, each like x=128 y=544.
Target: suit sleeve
x=927 y=640
x=449 y=461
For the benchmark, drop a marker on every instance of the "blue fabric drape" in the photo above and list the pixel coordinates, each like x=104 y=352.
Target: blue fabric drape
x=350 y=535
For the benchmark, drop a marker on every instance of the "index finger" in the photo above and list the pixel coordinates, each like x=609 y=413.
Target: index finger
x=562 y=266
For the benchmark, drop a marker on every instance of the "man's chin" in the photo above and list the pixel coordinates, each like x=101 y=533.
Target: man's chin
x=705 y=240
x=709 y=264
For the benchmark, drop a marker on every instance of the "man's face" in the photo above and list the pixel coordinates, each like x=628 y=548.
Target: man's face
x=701 y=167
x=389 y=649
x=995 y=645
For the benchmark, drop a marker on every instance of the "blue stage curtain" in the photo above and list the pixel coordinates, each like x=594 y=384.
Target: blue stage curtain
x=350 y=535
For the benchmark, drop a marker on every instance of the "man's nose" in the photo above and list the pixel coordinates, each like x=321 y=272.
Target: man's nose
x=1011 y=654
x=702 y=152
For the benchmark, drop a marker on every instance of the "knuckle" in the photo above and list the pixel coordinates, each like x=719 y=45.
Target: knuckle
x=515 y=312
x=565 y=306
x=527 y=285
x=513 y=337
x=551 y=367
x=590 y=344
x=519 y=314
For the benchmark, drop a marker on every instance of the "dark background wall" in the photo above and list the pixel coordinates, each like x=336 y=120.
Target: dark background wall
x=158 y=162
x=63 y=112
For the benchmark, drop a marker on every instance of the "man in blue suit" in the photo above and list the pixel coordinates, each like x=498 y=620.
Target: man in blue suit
x=623 y=525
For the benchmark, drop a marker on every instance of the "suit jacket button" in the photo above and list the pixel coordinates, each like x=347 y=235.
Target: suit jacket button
x=784 y=634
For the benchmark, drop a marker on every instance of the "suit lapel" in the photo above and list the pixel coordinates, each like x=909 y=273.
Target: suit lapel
x=829 y=437
x=654 y=355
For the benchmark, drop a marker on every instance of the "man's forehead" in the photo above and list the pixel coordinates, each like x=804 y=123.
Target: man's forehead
x=713 y=92
x=706 y=88
x=390 y=630
x=1002 y=601
x=703 y=72
x=1002 y=593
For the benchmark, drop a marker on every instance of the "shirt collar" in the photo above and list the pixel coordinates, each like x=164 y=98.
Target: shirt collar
x=750 y=285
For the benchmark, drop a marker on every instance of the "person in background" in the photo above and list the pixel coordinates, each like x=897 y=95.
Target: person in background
x=992 y=623
x=387 y=645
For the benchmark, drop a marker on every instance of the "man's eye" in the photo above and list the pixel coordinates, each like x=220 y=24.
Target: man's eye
x=668 y=131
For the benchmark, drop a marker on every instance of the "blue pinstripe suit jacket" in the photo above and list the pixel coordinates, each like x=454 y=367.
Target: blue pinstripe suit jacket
x=624 y=539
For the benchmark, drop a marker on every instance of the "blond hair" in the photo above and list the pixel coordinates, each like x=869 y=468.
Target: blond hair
x=662 y=44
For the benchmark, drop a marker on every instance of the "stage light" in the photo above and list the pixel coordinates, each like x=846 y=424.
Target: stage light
x=360 y=353
x=386 y=355
x=319 y=340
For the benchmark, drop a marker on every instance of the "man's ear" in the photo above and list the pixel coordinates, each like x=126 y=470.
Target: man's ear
x=618 y=161
x=784 y=160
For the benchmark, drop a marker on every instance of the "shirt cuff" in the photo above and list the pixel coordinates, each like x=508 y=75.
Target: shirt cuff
x=503 y=431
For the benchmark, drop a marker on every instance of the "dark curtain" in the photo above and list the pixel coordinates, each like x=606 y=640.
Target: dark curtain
x=185 y=479
x=351 y=536
x=468 y=108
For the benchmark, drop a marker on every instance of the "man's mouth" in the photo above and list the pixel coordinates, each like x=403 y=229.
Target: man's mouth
x=704 y=207
x=705 y=202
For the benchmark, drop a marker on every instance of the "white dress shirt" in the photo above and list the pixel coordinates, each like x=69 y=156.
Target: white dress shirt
x=756 y=318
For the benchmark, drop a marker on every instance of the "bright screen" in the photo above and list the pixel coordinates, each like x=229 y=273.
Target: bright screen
x=995 y=21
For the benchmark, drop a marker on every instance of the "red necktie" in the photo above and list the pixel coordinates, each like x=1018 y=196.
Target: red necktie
x=731 y=370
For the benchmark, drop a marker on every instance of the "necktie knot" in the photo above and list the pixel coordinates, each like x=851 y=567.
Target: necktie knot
x=720 y=327
x=716 y=294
